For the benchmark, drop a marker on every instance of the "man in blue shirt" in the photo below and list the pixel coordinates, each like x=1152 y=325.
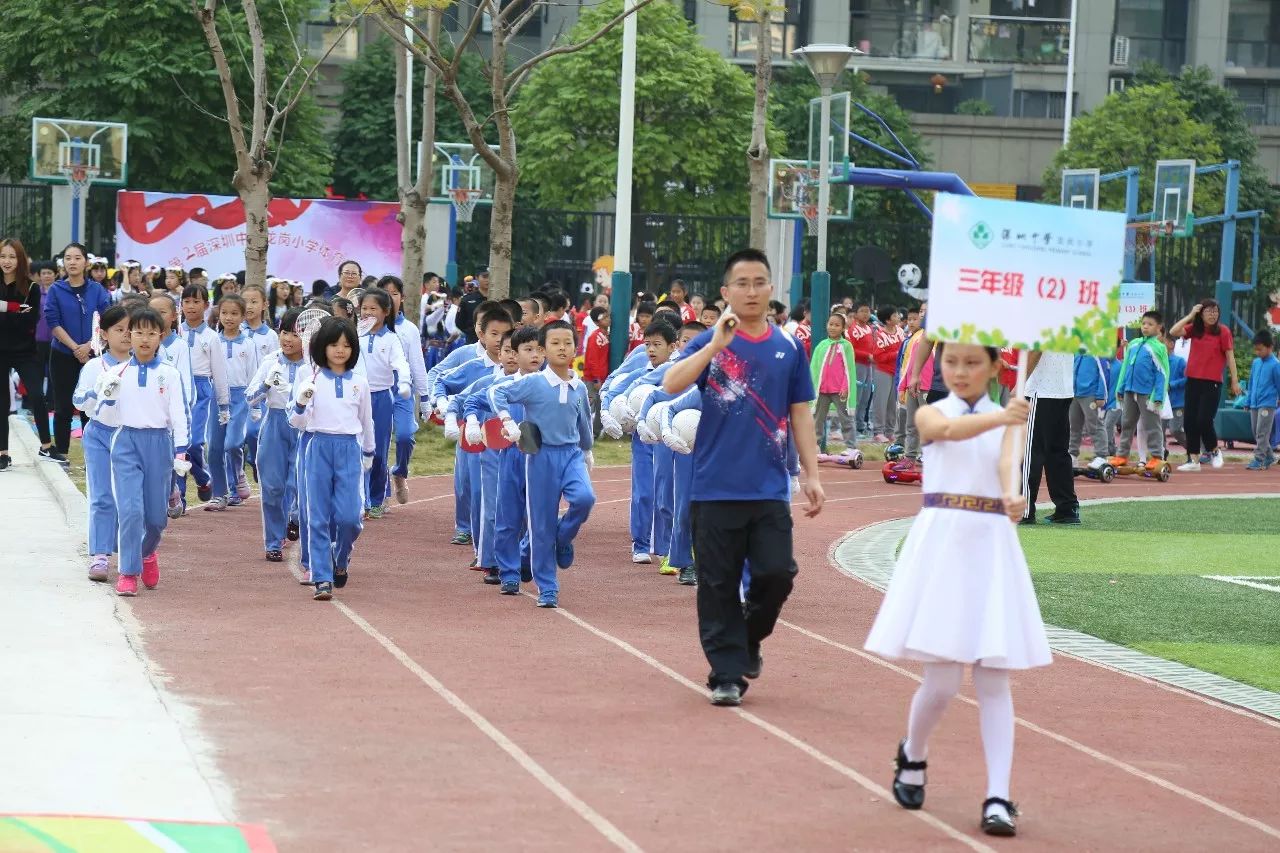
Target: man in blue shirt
x=756 y=391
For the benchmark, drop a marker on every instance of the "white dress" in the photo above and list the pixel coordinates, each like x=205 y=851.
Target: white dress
x=961 y=590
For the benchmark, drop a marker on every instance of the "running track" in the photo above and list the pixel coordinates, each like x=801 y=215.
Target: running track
x=426 y=712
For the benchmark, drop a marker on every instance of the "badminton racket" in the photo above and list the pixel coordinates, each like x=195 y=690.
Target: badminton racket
x=95 y=335
x=308 y=323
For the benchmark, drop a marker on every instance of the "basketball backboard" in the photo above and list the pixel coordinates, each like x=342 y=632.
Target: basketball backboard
x=59 y=145
x=836 y=134
x=1175 y=186
x=456 y=165
x=1080 y=188
x=793 y=185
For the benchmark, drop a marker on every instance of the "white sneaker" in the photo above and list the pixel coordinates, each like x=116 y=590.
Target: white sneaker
x=1217 y=461
x=1189 y=466
x=639 y=558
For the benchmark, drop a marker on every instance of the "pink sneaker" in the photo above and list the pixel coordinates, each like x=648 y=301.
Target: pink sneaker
x=150 y=571
x=98 y=570
x=306 y=577
x=242 y=486
x=881 y=438
x=127 y=586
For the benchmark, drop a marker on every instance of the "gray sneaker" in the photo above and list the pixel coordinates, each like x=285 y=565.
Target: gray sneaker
x=729 y=695
x=688 y=576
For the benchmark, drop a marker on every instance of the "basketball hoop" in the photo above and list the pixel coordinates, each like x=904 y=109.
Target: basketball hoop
x=464 y=202
x=79 y=178
x=810 y=213
x=1140 y=238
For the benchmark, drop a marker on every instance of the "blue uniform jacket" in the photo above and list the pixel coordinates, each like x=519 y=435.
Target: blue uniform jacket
x=1090 y=376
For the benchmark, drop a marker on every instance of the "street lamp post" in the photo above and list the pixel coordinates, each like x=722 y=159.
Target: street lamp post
x=826 y=62
x=620 y=299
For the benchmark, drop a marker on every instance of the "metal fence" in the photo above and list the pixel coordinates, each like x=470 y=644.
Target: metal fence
x=26 y=212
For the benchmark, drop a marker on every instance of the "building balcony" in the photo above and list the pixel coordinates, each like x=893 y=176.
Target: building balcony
x=1019 y=40
x=902 y=37
x=1253 y=54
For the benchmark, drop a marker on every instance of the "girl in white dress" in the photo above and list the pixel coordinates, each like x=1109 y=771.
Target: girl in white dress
x=961 y=592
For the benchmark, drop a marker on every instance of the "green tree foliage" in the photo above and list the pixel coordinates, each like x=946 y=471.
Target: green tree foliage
x=145 y=62
x=1137 y=127
x=1219 y=108
x=794 y=87
x=692 y=126
x=364 y=145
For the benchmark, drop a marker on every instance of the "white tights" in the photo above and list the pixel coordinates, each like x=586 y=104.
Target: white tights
x=995 y=719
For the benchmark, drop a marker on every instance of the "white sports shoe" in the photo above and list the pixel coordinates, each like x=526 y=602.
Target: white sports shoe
x=1217 y=461
x=639 y=558
x=1189 y=466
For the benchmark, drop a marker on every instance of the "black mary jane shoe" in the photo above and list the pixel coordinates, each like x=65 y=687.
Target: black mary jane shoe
x=997 y=824
x=908 y=796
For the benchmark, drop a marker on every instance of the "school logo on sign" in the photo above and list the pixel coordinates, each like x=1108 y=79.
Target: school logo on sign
x=980 y=234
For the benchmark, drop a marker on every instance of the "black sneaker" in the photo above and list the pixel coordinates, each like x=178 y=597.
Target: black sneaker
x=52 y=455
x=492 y=577
x=729 y=695
x=5 y=461
x=510 y=588
x=526 y=574
x=1029 y=521
x=688 y=576
x=755 y=665
x=275 y=556
x=339 y=578
x=1073 y=518
x=205 y=493
x=291 y=532
x=324 y=591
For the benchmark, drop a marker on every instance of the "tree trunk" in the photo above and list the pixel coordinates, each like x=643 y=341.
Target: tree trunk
x=504 y=193
x=255 y=194
x=416 y=192
x=758 y=150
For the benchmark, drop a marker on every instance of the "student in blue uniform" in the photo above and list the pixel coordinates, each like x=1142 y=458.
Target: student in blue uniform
x=273 y=386
x=1088 y=406
x=113 y=325
x=405 y=424
x=681 y=558
x=336 y=413
x=257 y=328
x=211 y=401
x=756 y=390
x=383 y=363
x=226 y=439
x=150 y=442
x=475 y=411
x=175 y=353
x=510 y=533
x=1177 y=392
x=555 y=402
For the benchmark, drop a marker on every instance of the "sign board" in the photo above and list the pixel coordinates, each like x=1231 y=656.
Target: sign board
x=1023 y=275
x=1136 y=299
x=307 y=238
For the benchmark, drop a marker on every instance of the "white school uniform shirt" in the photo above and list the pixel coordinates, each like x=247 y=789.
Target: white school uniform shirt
x=176 y=354
x=411 y=341
x=240 y=359
x=341 y=406
x=265 y=340
x=85 y=397
x=292 y=371
x=203 y=345
x=382 y=360
x=150 y=397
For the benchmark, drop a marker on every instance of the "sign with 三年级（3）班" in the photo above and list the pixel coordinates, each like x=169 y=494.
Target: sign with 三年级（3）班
x=1023 y=275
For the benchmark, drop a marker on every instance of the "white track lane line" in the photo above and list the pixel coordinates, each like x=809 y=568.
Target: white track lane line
x=1200 y=799
x=781 y=734
x=598 y=821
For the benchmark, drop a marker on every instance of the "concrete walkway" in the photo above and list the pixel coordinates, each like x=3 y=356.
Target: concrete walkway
x=86 y=726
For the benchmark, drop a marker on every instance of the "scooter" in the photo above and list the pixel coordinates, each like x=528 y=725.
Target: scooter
x=1154 y=469
x=906 y=471
x=1097 y=469
x=850 y=458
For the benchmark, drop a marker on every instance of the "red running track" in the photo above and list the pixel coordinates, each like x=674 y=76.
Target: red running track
x=425 y=711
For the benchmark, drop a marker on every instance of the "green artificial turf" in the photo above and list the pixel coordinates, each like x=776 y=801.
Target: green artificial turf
x=1132 y=574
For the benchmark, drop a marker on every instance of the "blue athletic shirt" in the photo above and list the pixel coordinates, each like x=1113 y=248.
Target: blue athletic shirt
x=740 y=453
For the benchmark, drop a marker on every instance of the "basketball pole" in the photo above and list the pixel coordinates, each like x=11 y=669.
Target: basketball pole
x=1071 y=76
x=620 y=301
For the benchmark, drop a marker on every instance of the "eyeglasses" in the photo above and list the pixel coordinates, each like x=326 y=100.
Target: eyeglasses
x=750 y=284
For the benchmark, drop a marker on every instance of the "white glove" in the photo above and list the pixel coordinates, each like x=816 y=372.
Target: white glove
x=306 y=391
x=675 y=442
x=224 y=417
x=1153 y=405
x=451 y=431
x=473 y=431
x=404 y=391
x=510 y=429
x=366 y=461
x=108 y=386
x=629 y=419
x=426 y=410
x=612 y=428
x=590 y=459
x=442 y=407
x=646 y=434
x=255 y=414
x=795 y=485
x=181 y=466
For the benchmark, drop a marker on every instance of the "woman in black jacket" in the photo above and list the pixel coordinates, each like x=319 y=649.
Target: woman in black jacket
x=19 y=314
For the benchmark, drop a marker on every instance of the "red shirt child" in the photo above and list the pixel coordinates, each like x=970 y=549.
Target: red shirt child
x=595 y=365
x=861 y=334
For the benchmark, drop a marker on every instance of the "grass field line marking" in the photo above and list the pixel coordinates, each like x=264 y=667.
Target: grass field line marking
x=1248 y=580
x=780 y=733
x=598 y=821
x=1060 y=738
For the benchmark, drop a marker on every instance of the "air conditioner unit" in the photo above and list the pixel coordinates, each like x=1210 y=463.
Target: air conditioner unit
x=1117 y=84
x=1120 y=51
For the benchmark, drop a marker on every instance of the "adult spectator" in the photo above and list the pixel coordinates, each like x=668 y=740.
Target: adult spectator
x=1212 y=351
x=1050 y=388
x=473 y=295
x=319 y=288
x=19 y=315
x=69 y=309
x=46 y=274
x=349 y=276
